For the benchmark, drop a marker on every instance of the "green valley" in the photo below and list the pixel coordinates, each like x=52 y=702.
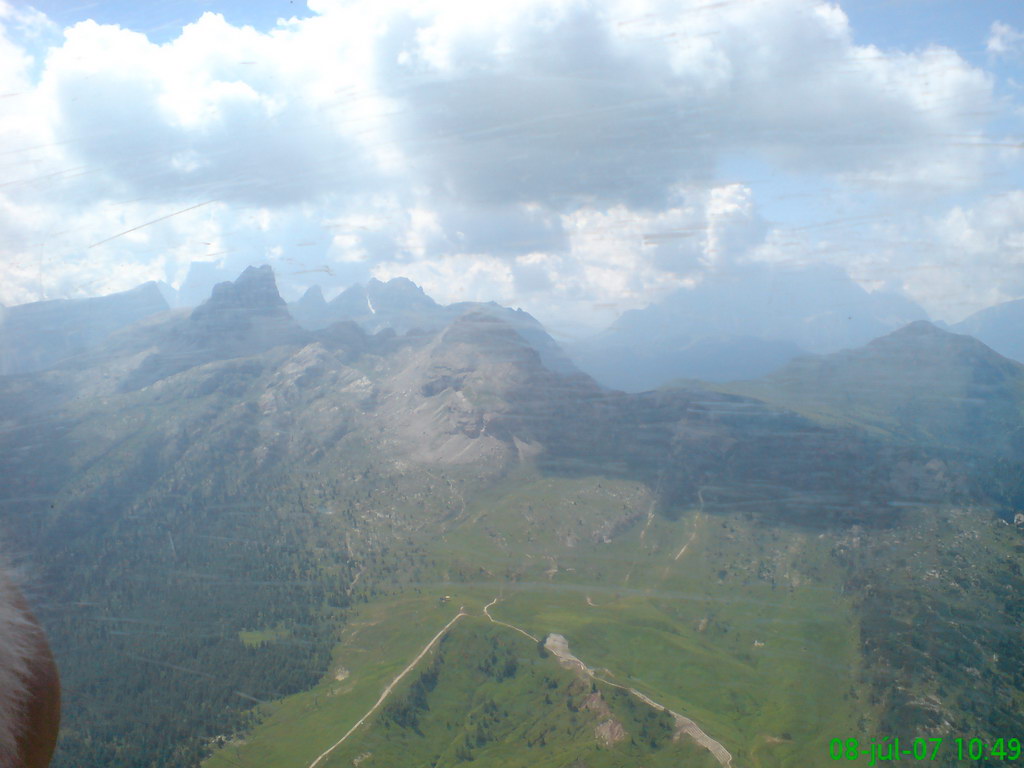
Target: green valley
x=268 y=546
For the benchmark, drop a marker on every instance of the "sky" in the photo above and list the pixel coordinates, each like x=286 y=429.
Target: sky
x=576 y=159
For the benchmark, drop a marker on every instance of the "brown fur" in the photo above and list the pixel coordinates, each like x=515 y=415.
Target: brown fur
x=29 y=685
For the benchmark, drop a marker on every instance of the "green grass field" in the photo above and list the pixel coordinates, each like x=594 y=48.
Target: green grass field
x=745 y=632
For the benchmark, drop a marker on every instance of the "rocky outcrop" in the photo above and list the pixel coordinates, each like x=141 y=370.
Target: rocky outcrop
x=240 y=319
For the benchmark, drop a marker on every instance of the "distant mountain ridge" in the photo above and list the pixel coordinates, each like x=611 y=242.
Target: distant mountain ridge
x=693 y=334
x=477 y=386
x=920 y=383
x=37 y=335
x=1000 y=327
x=403 y=306
x=740 y=325
x=399 y=304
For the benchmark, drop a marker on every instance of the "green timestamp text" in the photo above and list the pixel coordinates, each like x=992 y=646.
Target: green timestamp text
x=890 y=749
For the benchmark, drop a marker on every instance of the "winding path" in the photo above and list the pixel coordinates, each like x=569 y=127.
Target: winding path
x=487 y=613
x=696 y=523
x=559 y=647
x=391 y=685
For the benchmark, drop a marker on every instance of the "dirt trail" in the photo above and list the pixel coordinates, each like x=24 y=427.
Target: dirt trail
x=350 y=587
x=643 y=533
x=559 y=647
x=650 y=519
x=487 y=613
x=689 y=541
x=693 y=535
x=696 y=523
x=390 y=687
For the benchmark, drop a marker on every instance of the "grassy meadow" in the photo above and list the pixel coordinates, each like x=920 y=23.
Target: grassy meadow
x=741 y=627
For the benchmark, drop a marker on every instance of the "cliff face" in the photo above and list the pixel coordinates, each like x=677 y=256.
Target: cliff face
x=241 y=318
x=402 y=306
x=236 y=307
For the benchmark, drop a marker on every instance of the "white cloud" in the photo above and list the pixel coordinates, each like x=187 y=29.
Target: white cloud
x=14 y=66
x=733 y=225
x=616 y=258
x=561 y=155
x=967 y=258
x=980 y=260
x=1004 y=41
x=458 y=277
x=221 y=111
x=574 y=103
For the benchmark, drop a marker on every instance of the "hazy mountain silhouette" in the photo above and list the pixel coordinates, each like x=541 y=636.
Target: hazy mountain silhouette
x=40 y=334
x=1000 y=327
x=403 y=306
x=740 y=324
x=920 y=383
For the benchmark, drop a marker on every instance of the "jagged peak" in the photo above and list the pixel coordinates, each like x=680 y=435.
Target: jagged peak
x=403 y=282
x=254 y=289
x=398 y=289
x=313 y=295
x=354 y=291
x=233 y=304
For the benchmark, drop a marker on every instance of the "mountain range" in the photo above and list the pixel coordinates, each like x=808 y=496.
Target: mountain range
x=245 y=528
x=918 y=384
x=733 y=327
x=402 y=306
x=740 y=324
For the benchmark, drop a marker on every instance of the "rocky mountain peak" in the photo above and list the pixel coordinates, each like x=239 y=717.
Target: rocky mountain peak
x=233 y=305
x=487 y=336
x=313 y=297
x=396 y=295
x=311 y=311
x=240 y=319
x=351 y=302
x=254 y=289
